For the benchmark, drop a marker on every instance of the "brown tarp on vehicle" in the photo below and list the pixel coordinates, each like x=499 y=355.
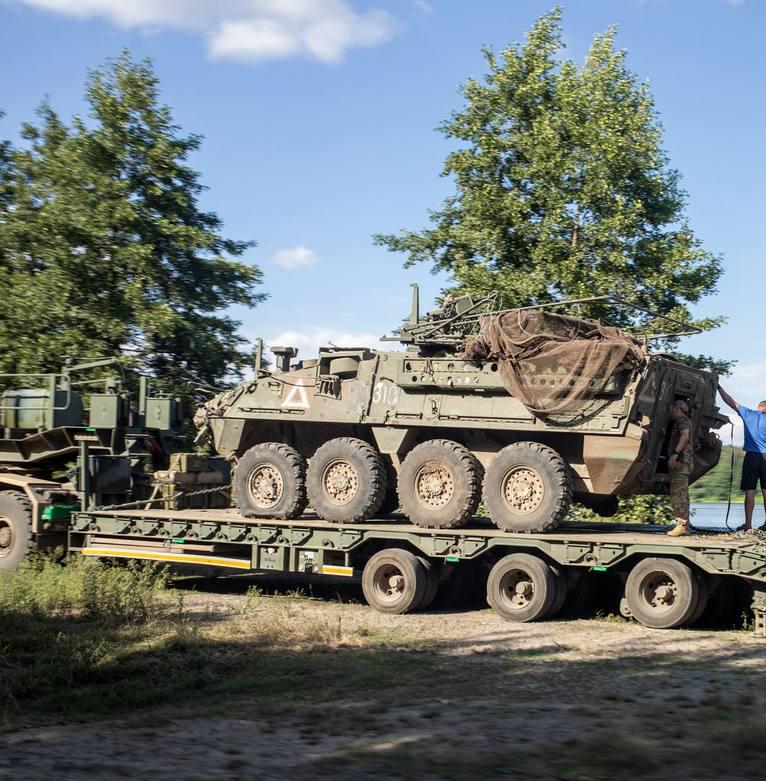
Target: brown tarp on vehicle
x=553 y=362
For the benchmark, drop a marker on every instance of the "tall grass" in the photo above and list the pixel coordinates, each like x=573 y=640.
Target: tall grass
x=61 y=624
x=115 y=595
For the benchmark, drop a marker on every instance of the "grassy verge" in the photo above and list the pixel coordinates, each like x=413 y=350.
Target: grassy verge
x=90 y=640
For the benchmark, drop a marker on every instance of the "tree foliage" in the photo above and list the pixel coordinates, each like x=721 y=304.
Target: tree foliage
x=563 y=190
x=105 y=246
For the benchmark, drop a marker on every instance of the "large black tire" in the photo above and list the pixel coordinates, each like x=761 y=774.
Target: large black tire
x=15 y=529
x=346 y=480
x=521 y=587
x=527 y=488
x=662 y=593
x=440 y=484
x=394 y=581
x=270 y=482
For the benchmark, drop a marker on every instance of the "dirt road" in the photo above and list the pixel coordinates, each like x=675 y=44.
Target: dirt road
x=298 y=688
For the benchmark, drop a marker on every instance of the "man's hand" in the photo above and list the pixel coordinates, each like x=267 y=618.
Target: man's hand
x=672 y=461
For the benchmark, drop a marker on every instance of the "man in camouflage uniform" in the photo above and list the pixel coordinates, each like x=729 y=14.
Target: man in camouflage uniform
x=680 y=457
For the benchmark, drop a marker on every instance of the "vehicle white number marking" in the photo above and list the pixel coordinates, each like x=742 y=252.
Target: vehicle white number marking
x=385 y=393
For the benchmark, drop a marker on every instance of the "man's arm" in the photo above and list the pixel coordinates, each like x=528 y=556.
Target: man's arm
x=728 y=399
x=683 y=439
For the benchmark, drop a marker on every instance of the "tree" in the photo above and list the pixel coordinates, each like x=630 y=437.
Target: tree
x=563 y=190
x=109 y=251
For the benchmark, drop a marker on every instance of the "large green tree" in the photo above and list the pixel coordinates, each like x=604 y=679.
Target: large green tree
x=108 y=251
x=562 y=188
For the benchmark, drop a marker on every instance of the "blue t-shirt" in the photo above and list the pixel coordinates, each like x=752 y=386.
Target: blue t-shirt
x=755 y=429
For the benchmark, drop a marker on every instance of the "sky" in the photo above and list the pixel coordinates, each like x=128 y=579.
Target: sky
x=319 y=121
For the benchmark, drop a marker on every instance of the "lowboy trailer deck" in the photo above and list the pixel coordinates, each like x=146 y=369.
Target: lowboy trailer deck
x=668 y=582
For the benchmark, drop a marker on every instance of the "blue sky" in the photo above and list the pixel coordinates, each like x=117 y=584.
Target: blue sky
x=319 y=118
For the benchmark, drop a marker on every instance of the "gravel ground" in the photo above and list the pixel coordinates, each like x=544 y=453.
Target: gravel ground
x=581 y=699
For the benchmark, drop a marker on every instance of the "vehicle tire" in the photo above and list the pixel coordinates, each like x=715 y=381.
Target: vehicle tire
x=440 y=484
x=527 y=488
x=394 y=581
x=390 y=503
x=432 y=582
x=662 y=593
x=521 y=587
x=270 y=482
x=346 y=480
x=562 y=589
x=15 y=529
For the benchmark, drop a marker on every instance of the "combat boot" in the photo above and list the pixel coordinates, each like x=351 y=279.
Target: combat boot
x=680 y=529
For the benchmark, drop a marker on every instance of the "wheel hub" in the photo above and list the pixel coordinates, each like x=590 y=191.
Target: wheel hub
x=341 y=482
x=523 y=490
x=434 y=485
x=389 y=583
x=660 y=593
x=518 y=588
x=266 y=486
x=6 y=536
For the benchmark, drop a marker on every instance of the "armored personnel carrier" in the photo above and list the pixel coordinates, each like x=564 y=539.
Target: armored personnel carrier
x=526 y=408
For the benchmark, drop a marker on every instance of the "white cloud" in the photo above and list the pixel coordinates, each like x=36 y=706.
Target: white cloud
x=308 y=342
x=424 y=6
x=296 y=257
x=249 y=30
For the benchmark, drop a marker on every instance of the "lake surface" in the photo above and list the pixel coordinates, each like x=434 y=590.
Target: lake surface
x=712 y=515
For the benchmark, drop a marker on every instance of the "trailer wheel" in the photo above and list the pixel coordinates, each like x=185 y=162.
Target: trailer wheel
x=432 y=582
x=270 y=482
x=662 y=593
x=440 y=484
x=521 y=587
x=15 y=529
x=346 y=480
x=394 y=581
x=527 y=488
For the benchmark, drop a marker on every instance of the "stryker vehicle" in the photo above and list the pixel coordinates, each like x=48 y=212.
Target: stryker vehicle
x=433 y=429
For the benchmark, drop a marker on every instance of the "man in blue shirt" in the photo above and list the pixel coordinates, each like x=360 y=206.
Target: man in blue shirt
x=754 y=465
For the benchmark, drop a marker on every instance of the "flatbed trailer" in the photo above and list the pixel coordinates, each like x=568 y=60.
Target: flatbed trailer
x=668 y=582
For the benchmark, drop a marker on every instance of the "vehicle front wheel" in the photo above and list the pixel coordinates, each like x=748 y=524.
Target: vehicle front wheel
x=346 y=480
x=270 y=482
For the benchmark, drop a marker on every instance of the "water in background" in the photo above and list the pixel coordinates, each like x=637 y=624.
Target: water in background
x=712 y=515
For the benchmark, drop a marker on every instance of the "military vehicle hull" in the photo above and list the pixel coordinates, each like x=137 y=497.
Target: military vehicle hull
x=400 y=404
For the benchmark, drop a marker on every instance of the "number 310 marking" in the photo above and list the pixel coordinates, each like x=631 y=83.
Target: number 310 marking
x=385 y=393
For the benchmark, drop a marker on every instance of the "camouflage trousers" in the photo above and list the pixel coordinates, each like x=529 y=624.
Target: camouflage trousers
x=679 y=492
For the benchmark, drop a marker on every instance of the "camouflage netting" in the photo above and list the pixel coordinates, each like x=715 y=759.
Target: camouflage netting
x=552 y=362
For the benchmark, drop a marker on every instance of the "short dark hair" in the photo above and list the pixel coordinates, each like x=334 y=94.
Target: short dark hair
x=762 y=403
